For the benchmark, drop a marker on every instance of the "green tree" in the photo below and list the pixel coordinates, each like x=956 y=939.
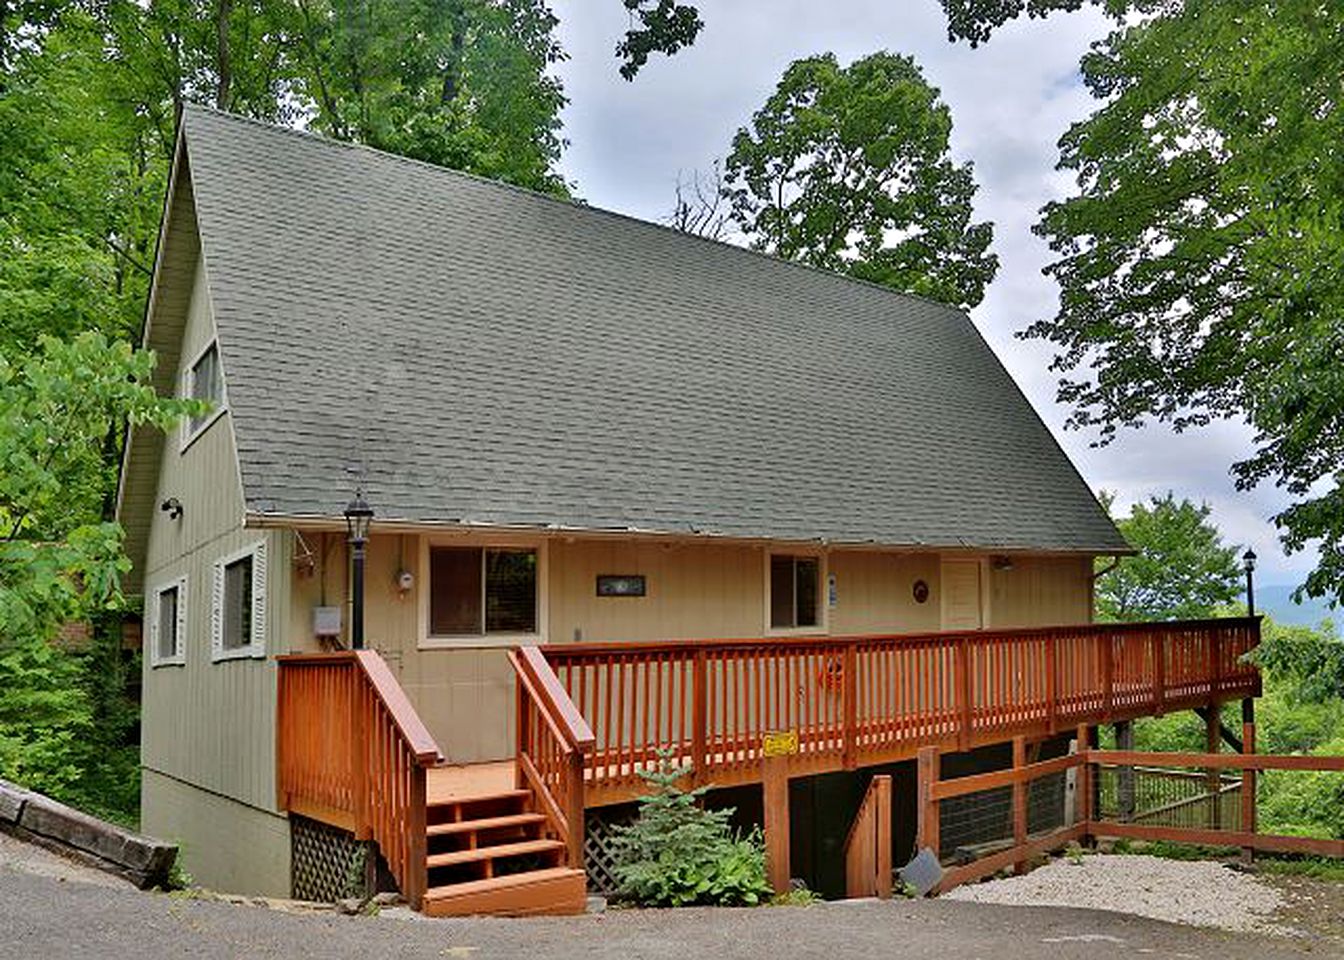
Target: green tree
x=1182 y=571
x=1201 y=259
x=848 y=168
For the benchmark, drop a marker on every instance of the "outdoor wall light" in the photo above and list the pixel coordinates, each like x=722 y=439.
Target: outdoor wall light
x=358 y=517
x=173 y=507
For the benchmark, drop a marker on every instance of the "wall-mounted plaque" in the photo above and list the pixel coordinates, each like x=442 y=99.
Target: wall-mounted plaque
x=620 y=585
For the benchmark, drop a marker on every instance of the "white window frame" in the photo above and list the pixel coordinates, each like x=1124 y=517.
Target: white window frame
x=179 y=655
x=823 y=624
x=189 y=435
x=257 y=648
x=430 y=641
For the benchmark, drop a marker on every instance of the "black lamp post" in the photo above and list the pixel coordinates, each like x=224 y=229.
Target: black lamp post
x=1248 y=562
x=358 y=516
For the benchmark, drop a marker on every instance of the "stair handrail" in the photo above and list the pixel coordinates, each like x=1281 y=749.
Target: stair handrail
x=552 y=741
x=867 y=848
x=384 y=751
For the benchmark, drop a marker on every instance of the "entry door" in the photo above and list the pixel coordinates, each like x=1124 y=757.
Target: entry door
x=961 y=595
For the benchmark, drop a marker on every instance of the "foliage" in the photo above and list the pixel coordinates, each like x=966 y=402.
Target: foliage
x=664 y=27
x=848 y=169
x=677 y=853
x=1182 y=571
x=1201 y=258
x=796 y=897
x=976 y=20
x=1312 y=660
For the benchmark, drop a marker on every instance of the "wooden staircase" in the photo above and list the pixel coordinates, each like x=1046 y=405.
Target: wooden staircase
x=490 y=853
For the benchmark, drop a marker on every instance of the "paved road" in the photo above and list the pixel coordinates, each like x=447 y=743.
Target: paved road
x=49 y=911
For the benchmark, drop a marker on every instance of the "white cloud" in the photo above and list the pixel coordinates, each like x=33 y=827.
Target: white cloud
x=1011 y=101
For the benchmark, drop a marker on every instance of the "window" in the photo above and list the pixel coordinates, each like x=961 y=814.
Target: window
x=793 y=591
x=204 y=382
x=239 y=609
x=167 y=616
x=475 y=591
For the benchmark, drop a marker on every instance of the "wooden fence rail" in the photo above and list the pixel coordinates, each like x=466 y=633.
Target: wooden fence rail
x=857 y=701
x=1018 y=847
x=352 y=751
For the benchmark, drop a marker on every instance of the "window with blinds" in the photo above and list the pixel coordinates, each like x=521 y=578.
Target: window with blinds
x=476 y=591
x=794 y=589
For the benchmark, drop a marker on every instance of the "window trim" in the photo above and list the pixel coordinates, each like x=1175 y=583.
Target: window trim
x=823 y=624
x=461 y=641
x=188 y=435
x=179 y=656
x=257 y=647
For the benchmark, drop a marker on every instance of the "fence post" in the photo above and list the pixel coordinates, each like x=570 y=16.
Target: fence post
x=1213 y=737
x=699 y=719
x=851 y=688
x=1020 y=793
x=1248 y=776
x=417 y=866
x=927 y=827
x=964 y=692
x=1083 y=797
x=1125 y=787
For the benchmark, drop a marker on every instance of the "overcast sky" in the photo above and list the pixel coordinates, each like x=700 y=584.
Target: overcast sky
x=1011 y=100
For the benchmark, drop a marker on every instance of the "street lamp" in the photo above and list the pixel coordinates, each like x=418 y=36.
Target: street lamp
x=1248 y=563
x=358 y=516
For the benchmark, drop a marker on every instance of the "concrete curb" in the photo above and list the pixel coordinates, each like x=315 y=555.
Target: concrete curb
x=38 y=819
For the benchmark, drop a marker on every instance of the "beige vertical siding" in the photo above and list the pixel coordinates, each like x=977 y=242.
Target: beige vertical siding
x=207 y=725
x=465 y=694
x=1041 y=592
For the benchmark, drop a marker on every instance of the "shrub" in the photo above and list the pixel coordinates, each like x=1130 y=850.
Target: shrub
x=676 y=853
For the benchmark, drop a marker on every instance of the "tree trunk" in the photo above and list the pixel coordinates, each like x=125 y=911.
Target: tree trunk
x=223 y=64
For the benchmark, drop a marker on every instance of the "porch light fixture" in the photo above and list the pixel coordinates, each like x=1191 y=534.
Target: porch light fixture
x=1248 y=564
x=358 y=517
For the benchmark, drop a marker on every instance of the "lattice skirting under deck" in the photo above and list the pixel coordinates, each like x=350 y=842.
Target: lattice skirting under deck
x=598 y=842
x=325 y=861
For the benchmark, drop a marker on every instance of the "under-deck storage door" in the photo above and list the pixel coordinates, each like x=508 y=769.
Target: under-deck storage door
x=962 y=609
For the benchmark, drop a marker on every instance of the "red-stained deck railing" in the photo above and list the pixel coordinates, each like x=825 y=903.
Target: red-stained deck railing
x=352 y=751
x=857 y=701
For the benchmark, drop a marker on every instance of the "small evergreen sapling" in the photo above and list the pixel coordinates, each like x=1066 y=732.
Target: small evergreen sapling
x=677 y=853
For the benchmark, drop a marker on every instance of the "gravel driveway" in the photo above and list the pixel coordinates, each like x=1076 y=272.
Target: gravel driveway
x=49 y=909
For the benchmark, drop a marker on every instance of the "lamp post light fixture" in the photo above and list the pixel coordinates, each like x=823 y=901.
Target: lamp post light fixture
x=358 y=516
x=1248 y=563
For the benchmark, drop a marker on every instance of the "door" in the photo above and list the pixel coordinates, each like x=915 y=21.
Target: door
x=962 y=609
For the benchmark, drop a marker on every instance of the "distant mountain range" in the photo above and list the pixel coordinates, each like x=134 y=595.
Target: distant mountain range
x=1276 y=600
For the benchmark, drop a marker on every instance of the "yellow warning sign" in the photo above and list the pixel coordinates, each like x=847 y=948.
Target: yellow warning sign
x=780 y=743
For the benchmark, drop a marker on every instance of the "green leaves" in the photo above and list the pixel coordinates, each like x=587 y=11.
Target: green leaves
x=1182 y=571
x=677 y=853
x=848 y=169
x=1201 y=261
x=664 y=27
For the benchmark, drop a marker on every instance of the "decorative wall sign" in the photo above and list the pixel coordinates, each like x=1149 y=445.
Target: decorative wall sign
x=780 y=743
x=921 y=591
x=620 y=585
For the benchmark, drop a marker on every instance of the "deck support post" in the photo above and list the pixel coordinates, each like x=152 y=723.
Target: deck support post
x=927 y=825
x=775 y=787
x=1021 y=791
x=1213 y=741
x=1125 y=787
x=1087 y=790
x=1248 y=776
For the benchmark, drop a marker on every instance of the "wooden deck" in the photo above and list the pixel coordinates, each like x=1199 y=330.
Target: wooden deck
x=444 y=784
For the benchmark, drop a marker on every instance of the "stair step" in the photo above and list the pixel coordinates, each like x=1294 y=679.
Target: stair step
x=493 y=853
x=554 y=891
x=486 y=823
x=452 y=801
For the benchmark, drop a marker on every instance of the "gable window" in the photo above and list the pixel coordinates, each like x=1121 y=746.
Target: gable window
x=794 y=587
x=478 y=591
x=238 y=611
x=167 y=624
x=204 y=381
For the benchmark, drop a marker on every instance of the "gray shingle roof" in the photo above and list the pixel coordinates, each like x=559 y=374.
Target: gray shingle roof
x=483 y=354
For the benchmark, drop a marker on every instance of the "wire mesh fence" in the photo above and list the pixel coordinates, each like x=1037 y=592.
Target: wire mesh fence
x=978 y=823
x=1169 y=798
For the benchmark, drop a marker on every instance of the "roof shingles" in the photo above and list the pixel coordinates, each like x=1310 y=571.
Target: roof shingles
x=483 y=354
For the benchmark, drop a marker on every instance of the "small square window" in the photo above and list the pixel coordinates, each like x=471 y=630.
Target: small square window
x=794 y=590
x=476 y=591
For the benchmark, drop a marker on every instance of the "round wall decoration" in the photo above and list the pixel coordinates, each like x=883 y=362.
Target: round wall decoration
x=921 y=591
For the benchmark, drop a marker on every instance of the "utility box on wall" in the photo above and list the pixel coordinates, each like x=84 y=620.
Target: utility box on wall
x=326 y=622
